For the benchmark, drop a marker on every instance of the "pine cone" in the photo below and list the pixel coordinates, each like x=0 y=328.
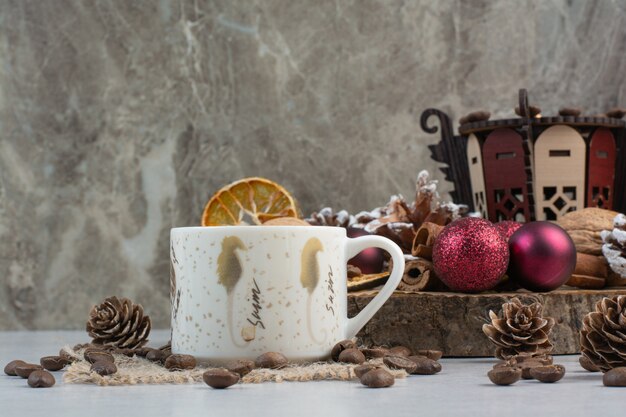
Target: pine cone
x=328 y=217
x=614 y=247
x=119 y=323
x=521 y=330
x=603 y=335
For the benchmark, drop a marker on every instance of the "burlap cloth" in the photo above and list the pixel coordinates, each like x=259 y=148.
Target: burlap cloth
x=138 y=370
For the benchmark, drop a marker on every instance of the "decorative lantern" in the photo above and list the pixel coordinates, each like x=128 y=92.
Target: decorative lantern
x=533 y=167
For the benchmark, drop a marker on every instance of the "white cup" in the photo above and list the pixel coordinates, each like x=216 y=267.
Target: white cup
x=240 y=291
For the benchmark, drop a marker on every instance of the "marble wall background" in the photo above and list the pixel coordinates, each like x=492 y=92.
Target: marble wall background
x=118 y=119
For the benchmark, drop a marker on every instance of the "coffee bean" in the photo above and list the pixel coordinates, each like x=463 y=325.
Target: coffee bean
x=104 y=367
x=53 y=363
x=220 y=378
x=377 y=378
x=399 y=351
x=542 y=359
x=340 y=347
x=425 y=366
x=240 y=367
x=586 y=363
x=505 y=375
x=143 y=351
x=126 y=352
x=41 y=379
x=351 y=356
x=272 y=360
x=375 y=352
x=93 y=356
x=65 y=355
x=25 y=369
x=9 y=369
x=548 y=373
x=400 y=362
x=430 y=354
x=180 y=362
x=361 y=370
x=156 y=355
x=616 y=377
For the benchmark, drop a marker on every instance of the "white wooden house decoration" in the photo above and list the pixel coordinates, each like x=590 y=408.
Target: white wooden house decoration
x=477 y=177
x=559 y=157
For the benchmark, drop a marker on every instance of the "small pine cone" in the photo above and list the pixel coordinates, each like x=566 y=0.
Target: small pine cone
x=521 y=330
x=120 y=323
x=614 y=247
x=603 y=335
x=327 y=217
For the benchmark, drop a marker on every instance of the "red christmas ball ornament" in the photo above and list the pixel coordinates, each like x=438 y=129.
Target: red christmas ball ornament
x=543 y=256
x=507 y=228
x=370 y=260
x=470 y=255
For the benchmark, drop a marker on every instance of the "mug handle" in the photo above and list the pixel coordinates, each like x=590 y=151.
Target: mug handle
x=353 y=247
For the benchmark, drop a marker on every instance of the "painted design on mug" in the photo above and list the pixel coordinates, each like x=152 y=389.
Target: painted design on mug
x=229 y=271
x=310 y=278
x=174 y=295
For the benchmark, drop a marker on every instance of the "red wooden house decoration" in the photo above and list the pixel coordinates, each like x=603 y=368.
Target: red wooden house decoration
x=601 y=173
x=505 y=178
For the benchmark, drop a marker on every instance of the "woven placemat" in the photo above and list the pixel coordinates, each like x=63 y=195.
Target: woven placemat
x=137 y=370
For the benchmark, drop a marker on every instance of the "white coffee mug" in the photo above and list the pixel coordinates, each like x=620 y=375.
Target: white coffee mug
x=240 y=291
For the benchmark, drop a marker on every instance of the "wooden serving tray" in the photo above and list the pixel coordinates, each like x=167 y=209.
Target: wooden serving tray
x=452 y=322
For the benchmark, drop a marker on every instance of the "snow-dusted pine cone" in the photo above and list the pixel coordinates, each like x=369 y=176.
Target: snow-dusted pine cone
x=522 y=329
x=603 y=335
x=328 y=217
x=118 y=322
x=614 y=246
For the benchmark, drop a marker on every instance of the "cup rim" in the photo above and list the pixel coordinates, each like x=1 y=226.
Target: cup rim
x=255 y=227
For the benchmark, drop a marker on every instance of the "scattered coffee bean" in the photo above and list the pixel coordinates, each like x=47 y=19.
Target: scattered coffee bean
x=616 y=377
x=425 y=366
x=126 y=352
x=143 y=351
x=9 y=369
x=400 y=351
x=65 y=355
x=272 y=360
x=180 y=362
x=375 y=352
x=220 y=378
x=377 y=378
x=93 y=356
x=361 y=370
x=430 y=354
x=548 y=373
x=240 y=367
x=340 y=347
x=586 y=363
x=351 y=356
x=104 y=367
x=156 y=355
x=505 y=375
x=53 y=363
x=41 y=379
x=25 y=369
x=506 y=364
x=400 y=362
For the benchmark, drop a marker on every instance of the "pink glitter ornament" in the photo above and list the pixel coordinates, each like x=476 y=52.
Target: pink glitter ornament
x=470 y=255
x=507 y=228
x=543 y=256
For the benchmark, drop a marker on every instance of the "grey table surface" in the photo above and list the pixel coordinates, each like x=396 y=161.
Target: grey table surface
x=462 y=388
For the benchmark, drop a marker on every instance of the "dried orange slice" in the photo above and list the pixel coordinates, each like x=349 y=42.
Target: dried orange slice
x=249 y=201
